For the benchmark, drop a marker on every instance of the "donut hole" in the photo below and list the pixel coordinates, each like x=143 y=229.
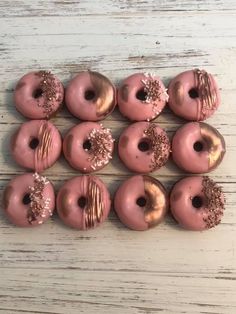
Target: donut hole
x=87 y=145
x=33 y=144
x=82 y=202
x=141 y=201
x=197 y=201
x=141 y=95
x=193 y=93
x=198 y=146
x=89 y=94
x=26 y=199
x=38 y=93
x=144 y=145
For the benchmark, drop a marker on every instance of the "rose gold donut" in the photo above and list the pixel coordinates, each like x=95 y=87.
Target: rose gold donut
x=197 y=147
x=88 y=146
x=36 y=145
x=141 y=202
x=90 y=96
x=83 y=202
x=38 y=95
x=197 y=203
x=194 y=95
x=144 y=147
x=29 y=200
x=142 y=97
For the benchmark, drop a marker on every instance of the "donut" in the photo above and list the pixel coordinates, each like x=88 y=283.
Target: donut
x=142 y=97
x=90 y=96
x=144 y=147
x=194 y=95
x=88 y=146
x=141 y=202
x=197 y=147
x=83 y=202
x=36 y=145
x=197 y=203
x=29 y=200
x=38 y=95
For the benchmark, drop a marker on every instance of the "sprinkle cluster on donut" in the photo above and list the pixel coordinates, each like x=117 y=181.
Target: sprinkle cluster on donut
x=142 y=96
x=144 y=147
x=29 y=200
x=197 y=203
x=38 y=95
x=88 y=146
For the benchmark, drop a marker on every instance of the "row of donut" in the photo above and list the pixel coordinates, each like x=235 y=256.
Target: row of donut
x=143 y=146
x=91 y=96
x=141 y=202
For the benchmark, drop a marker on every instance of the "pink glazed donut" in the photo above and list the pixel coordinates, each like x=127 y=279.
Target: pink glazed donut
x=141 y=202
x=194 y=95
x=36 y=145
x=197 y=203
x=38 y=95
x=29 y=200
x=197 y=147
x=90 y=96
x=144 y=147
x=88 y=146
x=83 y=202
x=142 y=97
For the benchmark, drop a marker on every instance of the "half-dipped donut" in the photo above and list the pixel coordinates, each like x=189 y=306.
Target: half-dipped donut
x=38 y=95
x=197 y=147
x=36 y=145
x=88 y=146
x=144 y=147
x=142 y=97
x=83 y=202
x=194 y=95
x=141 y=202
x=90 y=96
x=197 y=203
x=29 y=200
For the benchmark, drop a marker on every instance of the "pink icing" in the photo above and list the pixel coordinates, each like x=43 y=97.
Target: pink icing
x=34 y=108
x=183 y=152
x=135 y=159
x=105 y=96
x=185 y=106
x=83 y=159
x=16 y=211
x=132 y=107
x=181 y=205
x=47 y=151
x=67 y=201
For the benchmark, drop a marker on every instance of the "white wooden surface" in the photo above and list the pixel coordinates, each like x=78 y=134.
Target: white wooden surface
x=53 y=269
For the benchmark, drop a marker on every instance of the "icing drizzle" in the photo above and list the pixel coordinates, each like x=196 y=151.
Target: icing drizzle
x=95 y=206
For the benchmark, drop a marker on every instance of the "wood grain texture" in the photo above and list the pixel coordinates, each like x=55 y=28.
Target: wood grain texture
x=53 y=269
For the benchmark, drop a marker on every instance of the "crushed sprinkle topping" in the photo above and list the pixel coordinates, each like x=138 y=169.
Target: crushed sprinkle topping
x=214 y=203
x=101 y=147
x=155 y=92
x=39 y=206
x=50 y=91
x=160 y=146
